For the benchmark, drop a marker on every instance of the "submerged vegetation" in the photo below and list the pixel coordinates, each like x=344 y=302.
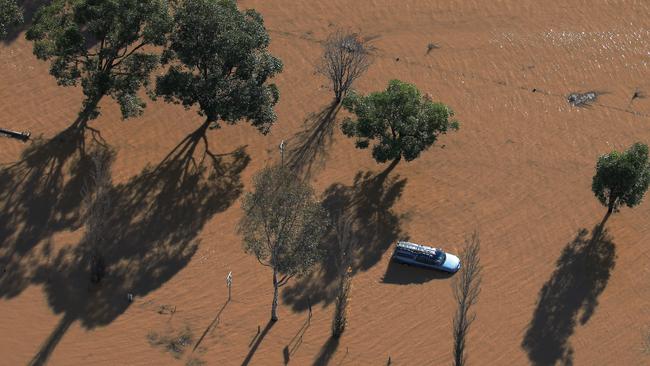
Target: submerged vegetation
x=213 y=58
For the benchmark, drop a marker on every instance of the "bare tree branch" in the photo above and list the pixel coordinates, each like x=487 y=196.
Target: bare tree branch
x=466 y=288
x=346 y=56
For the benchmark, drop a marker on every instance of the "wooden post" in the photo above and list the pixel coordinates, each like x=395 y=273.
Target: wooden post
x=229 y=283
x=282 y=145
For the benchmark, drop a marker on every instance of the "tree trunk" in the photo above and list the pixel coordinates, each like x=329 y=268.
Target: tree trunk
x=390 y=167
x=204 y=127
x=337 y=98
x=274 y=306
x=610 y=210
x=88 y=111
x=394 y=163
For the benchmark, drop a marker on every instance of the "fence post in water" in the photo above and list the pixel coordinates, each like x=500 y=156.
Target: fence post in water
x=229 y=283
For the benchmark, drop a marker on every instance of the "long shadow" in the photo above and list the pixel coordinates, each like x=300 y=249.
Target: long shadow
x=570 y=296
x=39 y=196
x=367 y=204
x=292 y=347
x=212 y=324
x=30 y=7
x=327 y=351
x=41 y=357
x=308 y=148
x=154 y=222
x=402 y=274
x=259 y=340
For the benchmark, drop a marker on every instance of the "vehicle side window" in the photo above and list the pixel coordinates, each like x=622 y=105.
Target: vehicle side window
x=422 y=259
x=402 y=253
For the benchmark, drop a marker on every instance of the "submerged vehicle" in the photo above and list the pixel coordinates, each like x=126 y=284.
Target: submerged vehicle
x=426 y=257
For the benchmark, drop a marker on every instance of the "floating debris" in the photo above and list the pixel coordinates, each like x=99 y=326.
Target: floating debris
x=431 y=47
x=582 y=99
x=23 y=136
x=174 y=342
x=167 y=309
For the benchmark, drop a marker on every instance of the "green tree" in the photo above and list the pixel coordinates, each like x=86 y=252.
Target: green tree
x=622 y=178
x=400 y=119
x=103 y=44
x=10 y=14
x=219 y=61
x=282 y=226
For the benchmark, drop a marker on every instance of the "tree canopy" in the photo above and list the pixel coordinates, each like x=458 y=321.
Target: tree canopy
x=102 y=44
x=10 y=14
x=282 y=225
x=401 y=121
x=219 y=61
x=622 y=178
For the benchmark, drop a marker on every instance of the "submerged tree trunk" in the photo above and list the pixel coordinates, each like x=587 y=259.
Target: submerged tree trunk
x=390 y=167
x=274 y=305
x=88 y=111
x=394 y=163
x=610 y=210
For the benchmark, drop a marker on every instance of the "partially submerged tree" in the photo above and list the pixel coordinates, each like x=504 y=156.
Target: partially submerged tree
x=401 y=121
x=98 y=206
x=219 y=61
x=105 y=45
x=622 y=178
x=10 y=15
x=346 y=56
x=466 y=287
x=282 y=226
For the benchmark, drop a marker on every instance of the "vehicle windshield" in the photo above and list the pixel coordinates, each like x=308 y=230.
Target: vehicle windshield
x=440 y=257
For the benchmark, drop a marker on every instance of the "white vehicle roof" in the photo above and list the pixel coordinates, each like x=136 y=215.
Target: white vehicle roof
x=417 y=247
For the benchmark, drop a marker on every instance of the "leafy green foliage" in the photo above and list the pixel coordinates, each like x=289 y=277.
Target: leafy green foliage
x=622 y=178
x=102 y=45
x=400 y=119
x=283 y=223
x=219 y=61
x=10 y=14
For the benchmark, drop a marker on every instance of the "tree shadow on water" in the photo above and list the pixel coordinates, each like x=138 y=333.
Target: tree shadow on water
x=367 y=205
x=570 y=296
x=307 y=149
x=259 y=340
x=326 y=353
x=39 y=196
x=30 y=7
x=154 y=222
